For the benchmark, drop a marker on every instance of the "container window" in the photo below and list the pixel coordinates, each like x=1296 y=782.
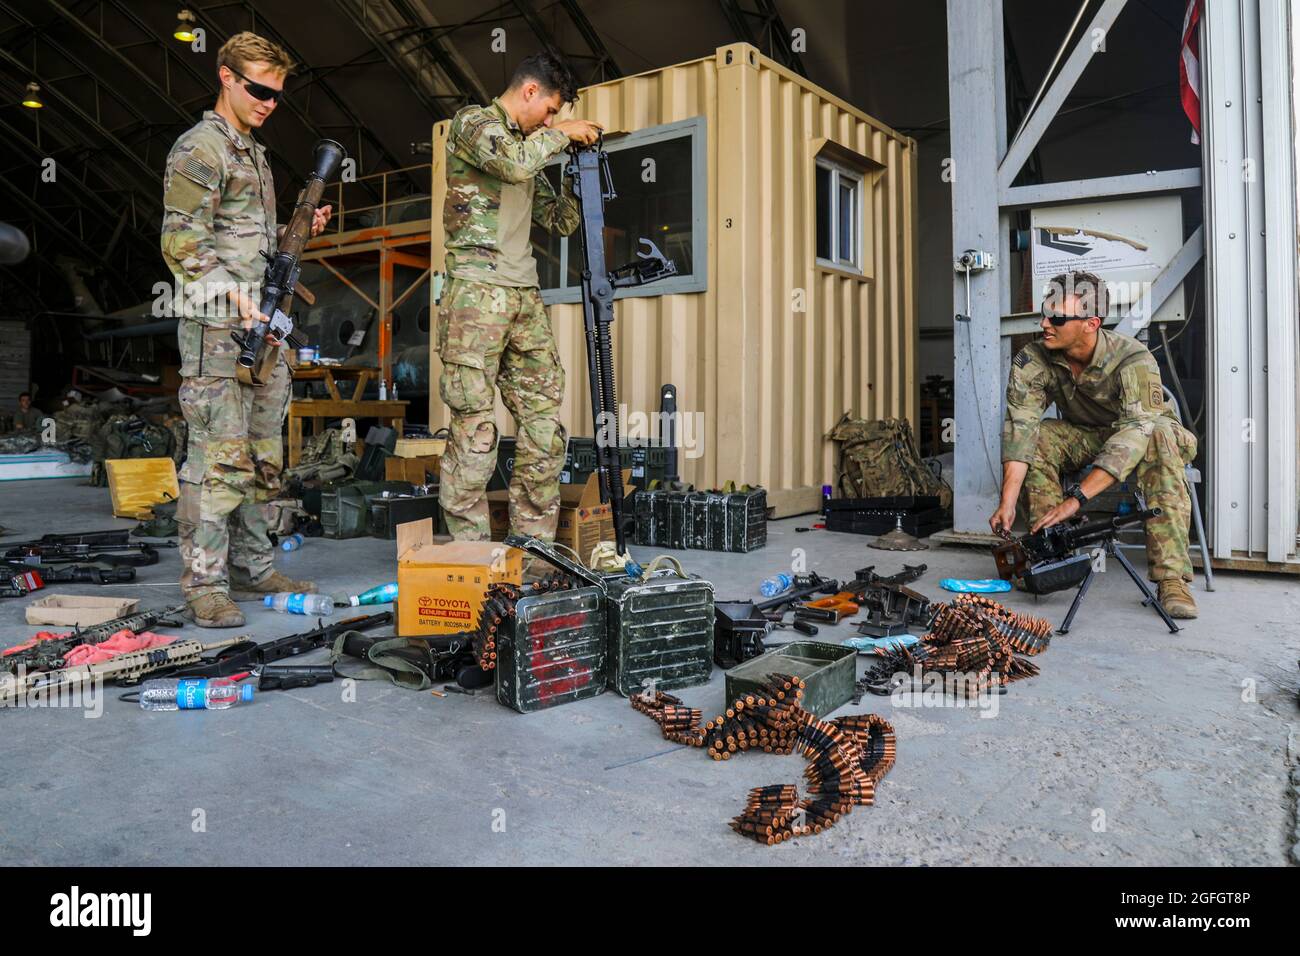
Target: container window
x=659 y=178
x=824 y=216
x=839 y=214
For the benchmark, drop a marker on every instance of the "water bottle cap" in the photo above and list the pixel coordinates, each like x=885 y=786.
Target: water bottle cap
x=267 y=601
x=246 y=692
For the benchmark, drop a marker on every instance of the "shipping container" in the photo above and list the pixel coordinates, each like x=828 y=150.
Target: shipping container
x=790 y=215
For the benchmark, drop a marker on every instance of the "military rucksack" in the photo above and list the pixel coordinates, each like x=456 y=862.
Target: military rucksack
x=879 y=459
x=130 y=436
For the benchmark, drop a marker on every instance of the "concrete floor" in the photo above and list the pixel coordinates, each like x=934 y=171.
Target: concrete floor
x=1133 y=746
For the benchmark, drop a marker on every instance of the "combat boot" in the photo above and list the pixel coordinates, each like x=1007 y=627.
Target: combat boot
x=216 y=610
x=1176 y=599
x=273 y=583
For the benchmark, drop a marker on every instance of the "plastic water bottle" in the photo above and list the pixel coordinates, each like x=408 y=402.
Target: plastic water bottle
x=193 y=693
x=384 y=594
x=775 y=585
x=291 y=543
x=312 y=604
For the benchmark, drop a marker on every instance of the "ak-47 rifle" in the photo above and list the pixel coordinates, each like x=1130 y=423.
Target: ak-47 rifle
x=1062 y=556
x=131 y=666
x=256 y=361
x=48 y=655
x=593 y=186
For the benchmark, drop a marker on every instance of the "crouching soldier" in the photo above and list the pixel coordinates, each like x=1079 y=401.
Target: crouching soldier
x=1114 y=421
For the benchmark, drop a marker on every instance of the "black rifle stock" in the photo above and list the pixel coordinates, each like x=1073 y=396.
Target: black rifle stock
x=256 y=361
x=593 y=185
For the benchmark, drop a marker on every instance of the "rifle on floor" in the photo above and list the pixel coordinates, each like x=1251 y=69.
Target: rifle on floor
x=593 y=186
x=49 y=655
x=131 y=666
x=247 y=656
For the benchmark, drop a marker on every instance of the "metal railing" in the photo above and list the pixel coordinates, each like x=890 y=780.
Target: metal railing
x=355 y=205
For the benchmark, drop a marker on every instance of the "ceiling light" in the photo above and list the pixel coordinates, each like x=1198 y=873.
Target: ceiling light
x=184 y=26
x=32 y=97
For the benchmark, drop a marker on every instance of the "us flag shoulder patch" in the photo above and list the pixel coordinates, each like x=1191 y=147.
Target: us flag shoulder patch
x=1021 y=359
x=197 y=170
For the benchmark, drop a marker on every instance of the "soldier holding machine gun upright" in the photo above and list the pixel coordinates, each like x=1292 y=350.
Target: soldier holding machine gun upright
x=218 y=222
x=1114 y=418
x=493 y=331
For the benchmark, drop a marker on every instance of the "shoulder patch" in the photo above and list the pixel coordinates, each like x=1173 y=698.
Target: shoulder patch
x=1021 y=359
x=196 y=170
x=1156 y=399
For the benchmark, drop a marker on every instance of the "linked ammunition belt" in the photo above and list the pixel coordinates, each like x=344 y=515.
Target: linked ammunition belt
x=973 y=642
x=499 y=611
x=847 y=756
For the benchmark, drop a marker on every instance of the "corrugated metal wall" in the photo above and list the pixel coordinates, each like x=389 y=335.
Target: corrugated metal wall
x=1254 y=333
x=769 y=380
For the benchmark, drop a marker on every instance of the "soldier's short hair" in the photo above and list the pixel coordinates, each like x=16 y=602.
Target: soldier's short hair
x=1088 y=286
x=245 y=48
x=550 y=73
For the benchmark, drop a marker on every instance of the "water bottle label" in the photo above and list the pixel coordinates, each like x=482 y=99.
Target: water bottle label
x=192 y=693
x=296 y=604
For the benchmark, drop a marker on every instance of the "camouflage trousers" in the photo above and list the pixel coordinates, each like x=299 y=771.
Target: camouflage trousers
x=230 y=476
x=492 y=337
x=1063 y=447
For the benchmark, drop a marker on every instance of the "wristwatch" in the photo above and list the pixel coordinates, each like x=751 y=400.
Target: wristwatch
x=1075 y=492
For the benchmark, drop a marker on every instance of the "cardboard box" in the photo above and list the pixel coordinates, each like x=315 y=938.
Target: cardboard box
x=499 y=514
x=412 y=469
x=420 y=447
x=75 y=610
x=440 y=587
x=583 y=523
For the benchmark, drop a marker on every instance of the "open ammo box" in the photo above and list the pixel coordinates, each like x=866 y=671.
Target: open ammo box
x=553 y=652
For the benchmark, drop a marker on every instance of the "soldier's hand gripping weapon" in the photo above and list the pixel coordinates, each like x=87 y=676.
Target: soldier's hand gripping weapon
x=256 y=357
x=1066 y=555
x=593 y=186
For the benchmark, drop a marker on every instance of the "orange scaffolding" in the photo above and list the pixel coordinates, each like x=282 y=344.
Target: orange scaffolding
x=376 y=238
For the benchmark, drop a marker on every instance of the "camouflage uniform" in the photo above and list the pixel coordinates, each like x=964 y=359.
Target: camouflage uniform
x=1114 y=417
x=493 y=330
x=220 y=215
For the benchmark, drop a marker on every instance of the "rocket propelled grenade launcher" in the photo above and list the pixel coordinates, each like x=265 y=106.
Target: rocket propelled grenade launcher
x=257 y=357
x=593 y=186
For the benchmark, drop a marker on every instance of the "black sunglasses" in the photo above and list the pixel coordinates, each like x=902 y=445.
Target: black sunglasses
x=1059 y=320
x=258 y=91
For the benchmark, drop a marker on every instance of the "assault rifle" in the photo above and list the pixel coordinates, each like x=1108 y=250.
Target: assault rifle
x=48 y=655
x=593 y=186
x=256 y=361
x=40 y=575
x=246 y=655
x=134 y=554
x=131 y=666
x=1066 y=555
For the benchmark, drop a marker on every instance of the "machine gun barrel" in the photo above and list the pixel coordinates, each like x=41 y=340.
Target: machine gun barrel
x=1092 y=531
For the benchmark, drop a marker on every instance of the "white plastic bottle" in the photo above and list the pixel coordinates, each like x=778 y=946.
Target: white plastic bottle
x=193 y=693
x=312 y=604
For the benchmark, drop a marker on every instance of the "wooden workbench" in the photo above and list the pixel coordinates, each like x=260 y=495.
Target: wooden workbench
x=318 y=410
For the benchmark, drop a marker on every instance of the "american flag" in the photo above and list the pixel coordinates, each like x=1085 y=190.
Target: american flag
x=1189 y=68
